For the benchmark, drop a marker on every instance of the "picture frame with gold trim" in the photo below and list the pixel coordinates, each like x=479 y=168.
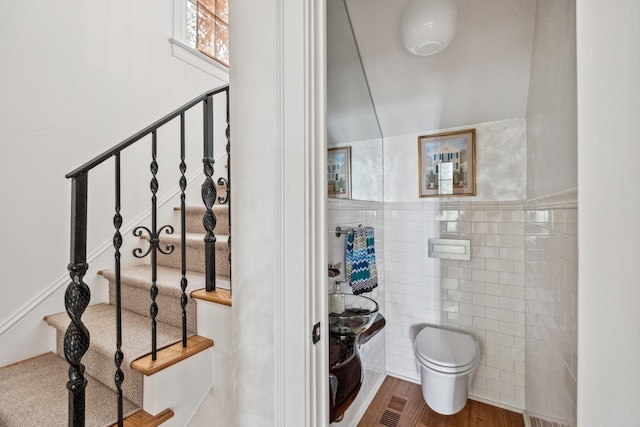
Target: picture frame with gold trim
x=339 y=172
x=447 y=164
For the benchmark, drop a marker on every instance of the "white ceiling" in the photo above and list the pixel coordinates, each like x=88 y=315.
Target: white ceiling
x=482 y=76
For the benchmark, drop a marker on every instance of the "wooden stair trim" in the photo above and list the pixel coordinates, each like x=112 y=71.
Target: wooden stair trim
x=219 y=296
x=145 y=419
x=171 y=355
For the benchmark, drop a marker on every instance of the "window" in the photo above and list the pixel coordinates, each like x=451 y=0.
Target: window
x=208 y=28
x=201 y=35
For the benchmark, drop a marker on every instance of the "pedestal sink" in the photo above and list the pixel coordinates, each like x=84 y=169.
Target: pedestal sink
x=353 y=320
x=350 y=315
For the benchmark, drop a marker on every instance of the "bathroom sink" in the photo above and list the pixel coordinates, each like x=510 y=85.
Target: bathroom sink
x=350 y=314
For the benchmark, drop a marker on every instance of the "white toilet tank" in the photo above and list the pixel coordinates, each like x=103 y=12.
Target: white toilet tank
x=447 y=361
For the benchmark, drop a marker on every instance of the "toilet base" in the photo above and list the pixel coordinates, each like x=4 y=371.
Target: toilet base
x=446 y=394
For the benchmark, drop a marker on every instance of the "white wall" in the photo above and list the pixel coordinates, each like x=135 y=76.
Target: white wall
x=77 y=78
x=500 y=163
x=551 y=107
x=278 y=217
x=609 y=230
x=551 y=217
x=551 y=348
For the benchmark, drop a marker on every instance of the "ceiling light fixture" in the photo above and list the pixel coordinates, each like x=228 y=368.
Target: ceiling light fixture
x=428 y=26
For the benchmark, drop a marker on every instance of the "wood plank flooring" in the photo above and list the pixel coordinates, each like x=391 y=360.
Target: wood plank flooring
x=399 y=403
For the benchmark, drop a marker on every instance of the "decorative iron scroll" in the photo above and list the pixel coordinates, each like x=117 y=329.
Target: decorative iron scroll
x=154 y=243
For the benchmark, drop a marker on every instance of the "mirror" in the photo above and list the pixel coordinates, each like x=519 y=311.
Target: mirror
x=351 y=116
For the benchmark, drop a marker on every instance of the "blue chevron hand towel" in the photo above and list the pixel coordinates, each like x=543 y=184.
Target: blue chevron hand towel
x=360 y=260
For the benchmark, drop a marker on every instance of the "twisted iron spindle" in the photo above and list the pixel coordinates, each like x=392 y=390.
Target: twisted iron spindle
x=227 y=182
x=209 y=196
x=183 y=235
x=154 y=244
x=76 y=300
x=117 y=244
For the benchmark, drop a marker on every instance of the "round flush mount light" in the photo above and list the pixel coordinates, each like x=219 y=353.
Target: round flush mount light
x=428 y=26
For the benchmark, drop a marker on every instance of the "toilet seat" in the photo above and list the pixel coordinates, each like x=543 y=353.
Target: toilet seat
x=445 y=351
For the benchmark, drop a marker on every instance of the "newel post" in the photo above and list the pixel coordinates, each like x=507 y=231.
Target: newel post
x=209 y=195
x=76 y=300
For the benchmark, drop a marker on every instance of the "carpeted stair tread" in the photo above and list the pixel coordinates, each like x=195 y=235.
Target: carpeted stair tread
x=136 y=283
x=100 y=320
x=136 y=342
x=168 y=278
x=34 y=393
x=195 y=253
x=191 y=239
x=194 y=215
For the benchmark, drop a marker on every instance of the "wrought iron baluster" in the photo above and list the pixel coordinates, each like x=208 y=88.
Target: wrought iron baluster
x=227 y=198
x=154 y=243
x=153 y=311
x=76 y=300
x=209 y=195
x=117 y=244
x=183 y=232
x=77 y=295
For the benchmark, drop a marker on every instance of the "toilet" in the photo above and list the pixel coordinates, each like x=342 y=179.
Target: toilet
x=447 y=362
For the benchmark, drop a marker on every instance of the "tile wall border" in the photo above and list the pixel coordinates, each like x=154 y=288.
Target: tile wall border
x=567 y=199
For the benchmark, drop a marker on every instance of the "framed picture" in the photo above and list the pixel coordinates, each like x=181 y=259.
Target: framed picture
x=339 y=172
x=447 y=164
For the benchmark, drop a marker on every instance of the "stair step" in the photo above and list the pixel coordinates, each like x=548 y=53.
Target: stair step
x=145 y=419
x=219 y=296
x=136 y=342
x=34 y=393
x=136 y=283
x=196 y=213
x=195 y=253
x=171 y=355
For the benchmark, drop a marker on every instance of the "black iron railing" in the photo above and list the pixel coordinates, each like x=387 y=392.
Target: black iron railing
x=77 y=296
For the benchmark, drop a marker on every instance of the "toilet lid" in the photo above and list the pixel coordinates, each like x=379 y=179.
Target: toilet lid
x=445 y=348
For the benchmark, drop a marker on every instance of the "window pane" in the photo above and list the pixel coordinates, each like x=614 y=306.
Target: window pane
x=191 y=23
x=213 y=31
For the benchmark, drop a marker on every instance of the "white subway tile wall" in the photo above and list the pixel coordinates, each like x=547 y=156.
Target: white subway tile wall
x=484 y=297
x=517 y=295
x=346 y=214
x=551 y=251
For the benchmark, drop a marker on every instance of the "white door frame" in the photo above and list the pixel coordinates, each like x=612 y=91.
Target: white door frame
x=277 y=79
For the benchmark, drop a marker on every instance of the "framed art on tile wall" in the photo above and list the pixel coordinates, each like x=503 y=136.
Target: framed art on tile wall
x=447 y=164
x=339 y=172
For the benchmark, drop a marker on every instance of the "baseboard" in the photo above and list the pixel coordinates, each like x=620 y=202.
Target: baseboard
x=357 y=416
x=496 y=404
x=403 y=377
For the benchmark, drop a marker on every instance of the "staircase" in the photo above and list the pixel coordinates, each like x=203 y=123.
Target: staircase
x=34 y=391
x=140 y=357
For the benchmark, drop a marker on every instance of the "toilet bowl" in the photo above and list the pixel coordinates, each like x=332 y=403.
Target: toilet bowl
x=447 y=362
